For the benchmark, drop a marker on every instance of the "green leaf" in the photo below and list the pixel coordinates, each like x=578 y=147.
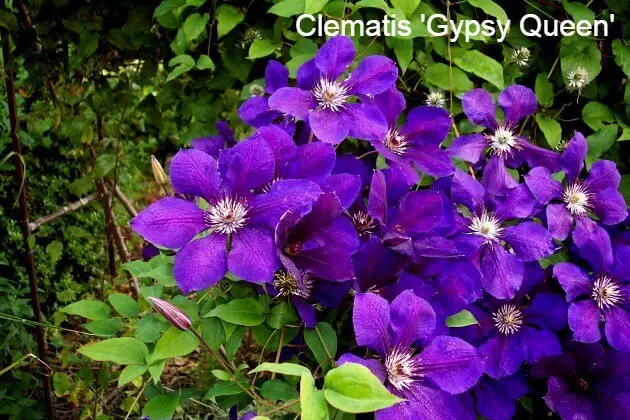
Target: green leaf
x=156 y=369
x=407 y=6
x=168 y=6
x=544 y=90
x=551 y=129
x=281 y=315
x=54 y=250
x=462 y=318
x=104 y=327
x=212 y=332
x=88 y=43
x=221 y=374
x=159 y=268
x=276 y=389
x=131 y=372
x=182 y=64
x=316 y=345
x=195 y=25
x=353 y=388
x=595 y=114
x=376 y=4
x=150 y=328
x=161 y=407
x=61 y=383
x=303 y=50
x=246 y=312
x=290 y=369
x=438 y=74
x=205 y=63
x=122 y=351
x=403 y=48
x=8 y=20
x=490 y=8
x=228 y=17
x=124 y=305
x=577 y=51
x=287 y=8
x=224 y=388
x=622 y=55
x=90 y=309
x=314 y=6
x=312 y=400
x=174 y=343
x=261 y=48
x=103 y=165
x=602 y=140
x=482 y=66
x=625 y=135
x=578 y=11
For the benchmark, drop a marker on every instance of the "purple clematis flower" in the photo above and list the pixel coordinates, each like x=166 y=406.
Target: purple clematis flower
x=485 y=237
x=587 y=382
x=601 y=297
x=240 y=223
x=417 y=142
x=325 y=101
x=429 y=380
x=256 y=112
x=598 y=193
x=503 y=141
x=496 y=399
x=214 y=144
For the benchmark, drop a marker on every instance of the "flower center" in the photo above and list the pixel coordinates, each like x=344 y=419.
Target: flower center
x=577 y=78
x=521 y=56
x=606 y=293
x=577 y=198
x=396 y=142
x=330 y=94
x=227 y=215
x=402 y=367
x=287 y=284
x=435 y=99
x=363 y=222
x=487 y=226
x=508 y=319
x=503 y=140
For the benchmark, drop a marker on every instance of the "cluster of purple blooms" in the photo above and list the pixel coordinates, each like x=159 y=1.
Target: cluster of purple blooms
x=311 y=224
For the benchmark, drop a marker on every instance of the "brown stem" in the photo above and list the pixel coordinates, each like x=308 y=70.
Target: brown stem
x=273 y=375
x=127 y=204
x=26 y=232
x=62 y=211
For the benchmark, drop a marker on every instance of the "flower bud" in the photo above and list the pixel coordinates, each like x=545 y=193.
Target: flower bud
x=173 y=314
x=158 y=173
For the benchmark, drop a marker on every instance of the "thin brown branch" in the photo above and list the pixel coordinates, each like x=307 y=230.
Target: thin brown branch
x=127 y=204
x=62 y=211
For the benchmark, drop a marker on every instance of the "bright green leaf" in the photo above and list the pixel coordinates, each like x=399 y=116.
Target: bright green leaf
x=174 y=343
x=544 y=91
x=246 y=312
x=122 y=351
x=205 y=63
x=90 y=309
x=283 y=368
x=602 y=140
x=276 y=389
x=316 y=344
x=313 y=6
x=312 y=401
x=438 y=74
x=261 y=48
x=104 y=327
x=578 y=11
x=228 y=17
x=287 y=8
x=622 y=55
x=161 y=407
x=462 y=318
x=54 y=250
x=490 y=8
x=551 y=129
x=482 y=66
x=577 y=51
x=103 y=165
x=596 y=114
x=195 y=25
x=131 y=372
x=281 y=314
x=182 y=64
x=124 y=305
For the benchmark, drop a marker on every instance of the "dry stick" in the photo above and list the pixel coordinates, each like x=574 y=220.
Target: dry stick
x=273 y=375
x=33 y=226
x=125 y=202
x=26 y=232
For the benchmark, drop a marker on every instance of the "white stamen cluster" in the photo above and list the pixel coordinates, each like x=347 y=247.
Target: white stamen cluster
x=508 y=319
x=503 y=141
x=267 y=187
x=577 y=79
x=435 y=98
x=287 y=284
x=396 y=142
x=227 y=215
x=521 y=56
x=577 y=198
x=363 y=222
x=606 y=293
x=330 y=94
x=487 y=226
x=403 y=369
x=256 y=90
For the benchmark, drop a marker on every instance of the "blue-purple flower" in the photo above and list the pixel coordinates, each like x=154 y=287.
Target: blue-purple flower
x=212 y=145
x=327 y=102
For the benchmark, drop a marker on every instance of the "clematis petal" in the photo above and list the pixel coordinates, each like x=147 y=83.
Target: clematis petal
x=469 y=147
x=340 y=234
x=617 y=328
x=326 y=262
x=391 y=103
x=419 y=212
x=602 y=175
x=276 y=76
x=431 y=160
x=281 y=144
x=496 y=399
x=334 y=57
x=201 y=263
x=467 y=191
x=412 y=318
x=584 y=318
x=529 y=240
x=306 y=311
x=567 y=404
x=374 y=74
x=345 y=186
x=330 y=126
x=371 y=322
x=559 y=221
x=374 y=365
x=248 y=165
x=170 y=222
x=572 y=158
x=517 y=102
x=377 y=203
x=548 y=311
x=307 y=75
x=427 y=124
x=504 y=355
x=293 y=101
x=609 y=205
x=256 y=112
x=313 y=161
x=210 y=145
x=537 y=156
x=496 y=178
x=366 y=122
x=517 y=203
x=537 y=344
x=502 y=272
x=253 y=256
x=452 y=364
x=593 y=243
x=479 y=108
x=194 y=172
x=573 y=280
x=542 y=185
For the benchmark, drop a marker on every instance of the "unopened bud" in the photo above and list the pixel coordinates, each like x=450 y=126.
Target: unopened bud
x=173 y=314
x=158 y=173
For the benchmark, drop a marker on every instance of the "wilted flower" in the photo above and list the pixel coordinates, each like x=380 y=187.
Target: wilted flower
x=435 y=98
x=173 y=314
x=577 y=79
x=251 y=34
x=521 y=56
x=158 y=173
